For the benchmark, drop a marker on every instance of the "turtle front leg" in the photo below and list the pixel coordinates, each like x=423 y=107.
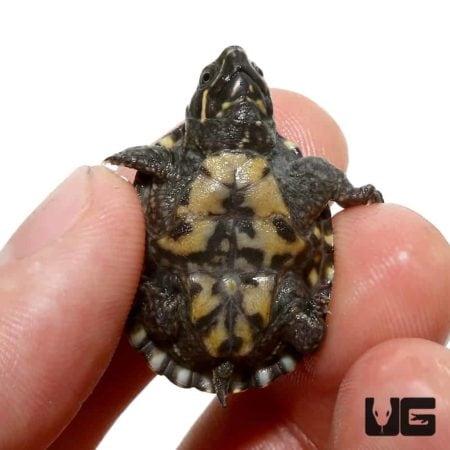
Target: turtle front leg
x=302 y=312
x=312 y=182
x=154 y=160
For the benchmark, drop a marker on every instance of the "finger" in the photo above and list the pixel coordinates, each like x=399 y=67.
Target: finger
x=304 y=122
x=298 y=119
x=398 y=368
x=66 y=284
x=127 y=374
x=391 y=267
x=391 y=281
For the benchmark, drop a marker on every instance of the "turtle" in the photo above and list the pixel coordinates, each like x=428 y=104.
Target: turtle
x=238 y=265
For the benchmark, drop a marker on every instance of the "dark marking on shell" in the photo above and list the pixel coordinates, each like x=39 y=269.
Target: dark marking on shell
x=252 y=255
x=181 y=229
x=246 y=226
x=279 y=261
x=249 y=280
x=230 y=345
x=283 y=229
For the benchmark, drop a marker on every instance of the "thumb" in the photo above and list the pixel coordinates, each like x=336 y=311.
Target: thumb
x=67 y=279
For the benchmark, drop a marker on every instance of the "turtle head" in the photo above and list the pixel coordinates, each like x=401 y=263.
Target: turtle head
x=231 y=107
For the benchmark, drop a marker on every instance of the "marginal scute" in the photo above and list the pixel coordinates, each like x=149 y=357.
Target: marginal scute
x=167 y=141
x=329 y=239
x=289 y=144
x=183 y=376
x=313 y=277
x=158 y=360
x=329 y=272
x=138 y=336
x=172 y=139
x=287 y=363
x=317 y=232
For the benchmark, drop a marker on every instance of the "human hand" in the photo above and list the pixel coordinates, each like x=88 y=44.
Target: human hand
x=67 y=281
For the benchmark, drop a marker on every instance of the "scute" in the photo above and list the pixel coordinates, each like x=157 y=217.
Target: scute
x=229 y=310
x=265 y=199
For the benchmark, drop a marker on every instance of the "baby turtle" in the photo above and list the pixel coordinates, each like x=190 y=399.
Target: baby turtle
x=239 y=254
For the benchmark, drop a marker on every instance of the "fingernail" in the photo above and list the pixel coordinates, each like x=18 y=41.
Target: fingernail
x=52 y=218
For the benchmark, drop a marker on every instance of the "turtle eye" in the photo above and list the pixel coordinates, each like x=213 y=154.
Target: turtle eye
x=258 y=69
x=206 y=76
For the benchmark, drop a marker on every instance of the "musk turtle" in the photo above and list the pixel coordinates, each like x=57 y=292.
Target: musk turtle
x=239 y=253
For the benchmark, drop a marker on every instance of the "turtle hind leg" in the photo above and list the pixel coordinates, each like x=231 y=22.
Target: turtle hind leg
x=154 y=327
x=157 y=306
x=302 y=313
x=304 y=332
x=222 y=375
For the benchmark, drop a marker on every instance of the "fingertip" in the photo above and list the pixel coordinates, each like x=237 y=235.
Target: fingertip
x=391 y=281
x=395 y=369
x=126 y=376
x=309 y=126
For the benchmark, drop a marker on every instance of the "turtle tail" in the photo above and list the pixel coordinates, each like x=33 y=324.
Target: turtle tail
x=222 y=375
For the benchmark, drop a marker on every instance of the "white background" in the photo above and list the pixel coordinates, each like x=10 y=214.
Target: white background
x=81 y=80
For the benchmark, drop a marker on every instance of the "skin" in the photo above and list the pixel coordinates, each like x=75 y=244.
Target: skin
x=65 y=371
